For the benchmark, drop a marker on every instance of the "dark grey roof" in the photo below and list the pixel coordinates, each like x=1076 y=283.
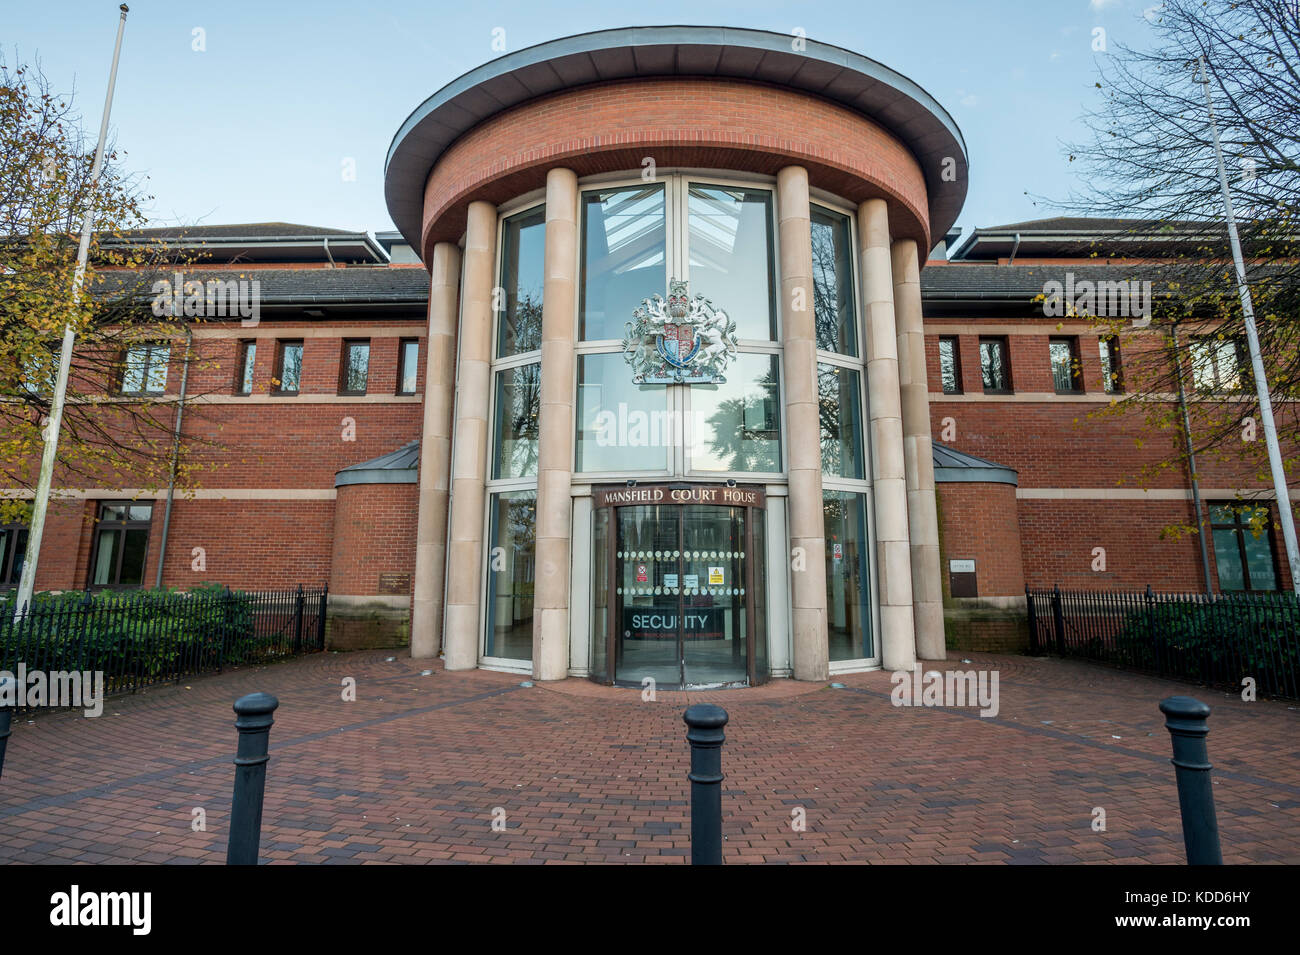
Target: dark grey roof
x=952 y=466
x=258 y=242
x=240 y=230
x=1022 y=282
x=358 y=285
x=831 y=72
x=396 y=467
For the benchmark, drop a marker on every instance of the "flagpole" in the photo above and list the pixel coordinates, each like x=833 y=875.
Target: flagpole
x=1284 y=514
x=49 y=454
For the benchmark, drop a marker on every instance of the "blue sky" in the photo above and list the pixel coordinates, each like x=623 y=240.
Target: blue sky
x=257 y=126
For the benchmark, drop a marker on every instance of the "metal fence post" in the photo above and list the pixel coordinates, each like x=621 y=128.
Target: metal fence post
x=253 y=719
x=1058 y=619
x=1033 y=623
x=1185 y=718
x=1156 y=655
x=299 y=603
x=705 y=722
x=320 y=618
x=8 y=688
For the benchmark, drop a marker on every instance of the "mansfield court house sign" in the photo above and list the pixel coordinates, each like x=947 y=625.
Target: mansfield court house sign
x=679 y=341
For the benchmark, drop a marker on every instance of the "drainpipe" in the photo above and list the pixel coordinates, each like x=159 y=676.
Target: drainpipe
x=1014 y=248
x=327 y=251
x=1191 y=462
x=176 y=450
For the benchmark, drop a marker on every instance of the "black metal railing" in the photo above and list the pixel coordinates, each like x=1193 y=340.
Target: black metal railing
x=1214 y=639
x=148 y=637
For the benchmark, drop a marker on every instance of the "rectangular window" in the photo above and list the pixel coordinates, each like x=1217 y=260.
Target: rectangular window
x=730 y=242
x=622 y=426
x=1243 y=547
x=624 y=245
x=244 y=373
x=288 y=367
x=995 y=365
x=1217 y=364
x=511 y=554
x=355 y=372
x=1111 y=369
x=839 y=400
x=408 y=366
x=518 y=405
x=144 y=369
x=121 y=544
x=1064 y=354
x=950 y=365
x=523 y=246
x=13 y=549
x=832 y=261
x=848 y=581
x=736 y=426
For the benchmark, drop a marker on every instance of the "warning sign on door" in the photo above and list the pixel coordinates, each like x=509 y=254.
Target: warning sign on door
x=642 y=575
x=715 y=576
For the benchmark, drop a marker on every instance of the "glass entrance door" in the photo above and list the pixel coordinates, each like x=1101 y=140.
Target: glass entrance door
x=683 y=592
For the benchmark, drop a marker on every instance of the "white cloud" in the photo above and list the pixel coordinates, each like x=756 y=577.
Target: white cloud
x=1102 y=4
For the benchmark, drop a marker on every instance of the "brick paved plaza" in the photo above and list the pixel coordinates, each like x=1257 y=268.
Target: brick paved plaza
x=412 y=771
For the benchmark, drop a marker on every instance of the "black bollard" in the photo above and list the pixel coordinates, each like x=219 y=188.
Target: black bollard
x=8 y=687
x=1185 y=718
x=253 y=719
x=705 y=723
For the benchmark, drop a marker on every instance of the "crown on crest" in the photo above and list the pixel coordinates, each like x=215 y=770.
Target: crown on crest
x=679 y=300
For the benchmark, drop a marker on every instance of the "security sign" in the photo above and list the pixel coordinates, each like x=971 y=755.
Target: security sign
x=715 y=576
x=642 y=574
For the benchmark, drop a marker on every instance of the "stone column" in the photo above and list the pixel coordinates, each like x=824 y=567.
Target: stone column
x=555 y=430
x=802 y=429
x=470 y=441
x=893 y=558
x=922 y=512
x=435 y=453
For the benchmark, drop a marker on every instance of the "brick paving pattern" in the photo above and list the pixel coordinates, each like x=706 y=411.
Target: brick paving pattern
x=414 y=769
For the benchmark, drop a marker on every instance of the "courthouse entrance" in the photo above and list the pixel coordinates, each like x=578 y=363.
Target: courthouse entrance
x=680 y=586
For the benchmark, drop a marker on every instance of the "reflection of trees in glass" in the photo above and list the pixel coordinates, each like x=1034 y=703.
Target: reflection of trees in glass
x=358 y=368
x=828 y=414
x=519 y=417
x=524 y=322
x=831 y=305
x=521 y=519
x=746 y=430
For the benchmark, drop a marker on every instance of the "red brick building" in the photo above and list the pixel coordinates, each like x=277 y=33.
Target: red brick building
x=494 y=437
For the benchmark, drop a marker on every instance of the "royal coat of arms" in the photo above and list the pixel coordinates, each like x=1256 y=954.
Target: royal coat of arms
x=679 y=340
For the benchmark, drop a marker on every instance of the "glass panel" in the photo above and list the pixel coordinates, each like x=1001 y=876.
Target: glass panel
x=106 y=557
x=357 y=369
x=519 y=402
x=246 y=373
x=713 y=610
x=1227 y=558
x=511 y=558
x=730 y=247
x=1109 y=373
x=736 y=426
x=159 y=355
x=1062 y=365
x=832 y=260
x=621 y=426
x=133 y=554
x=1222 y=514
x=948 y=366
x=19 y=558
x=113 y=512
x=601 y=605
x=410 y=367
x=993 y=365
x=649 y=585
x=139 y=512
x=848 y=597
x=1228 y=368
x=291 y=368
x=1259 y=560
x=523 y=244
x=840 y=413
x=623 y=257
x=133 y=372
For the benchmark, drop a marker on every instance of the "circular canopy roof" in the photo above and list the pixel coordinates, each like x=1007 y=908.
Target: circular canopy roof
x=835 y=74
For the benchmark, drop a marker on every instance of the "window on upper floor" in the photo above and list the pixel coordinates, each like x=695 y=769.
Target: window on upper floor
x=1218 y=364
x=1064 y=356
x=523 y=249
x=244 y=370
x=354 y=374
x=408 y=366
x=144 y=369
x=1112 y=379
x=288 y=367
x=1243 y=547
x=950 y=364
x=995 y=365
